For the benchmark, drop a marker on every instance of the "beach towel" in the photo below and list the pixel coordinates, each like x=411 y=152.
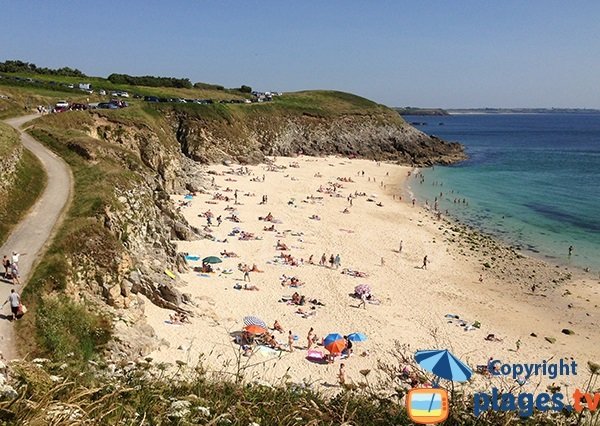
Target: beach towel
x=203 y=275
x=191 y=257
x=266 y=351
x=188 y=197
x=170 y=274
x=315 y=354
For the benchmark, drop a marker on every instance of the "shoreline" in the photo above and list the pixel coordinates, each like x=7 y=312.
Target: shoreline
x=413 y=301
x=576 y=269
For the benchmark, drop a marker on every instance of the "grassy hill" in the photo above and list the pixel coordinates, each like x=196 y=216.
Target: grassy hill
x=20 y=186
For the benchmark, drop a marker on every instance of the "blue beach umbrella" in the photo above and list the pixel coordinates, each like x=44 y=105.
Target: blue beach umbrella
x=443 y=364
x=357 y=337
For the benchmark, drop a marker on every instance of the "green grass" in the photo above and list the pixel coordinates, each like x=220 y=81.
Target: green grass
x=60 y=326
x=29 y=182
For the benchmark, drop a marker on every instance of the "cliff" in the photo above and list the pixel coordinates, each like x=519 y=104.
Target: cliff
x=333 y=123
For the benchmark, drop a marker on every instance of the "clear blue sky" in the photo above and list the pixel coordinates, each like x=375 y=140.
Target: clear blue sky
x=421 y=53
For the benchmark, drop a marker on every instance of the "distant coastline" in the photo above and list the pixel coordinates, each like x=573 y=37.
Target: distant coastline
x=462 y=111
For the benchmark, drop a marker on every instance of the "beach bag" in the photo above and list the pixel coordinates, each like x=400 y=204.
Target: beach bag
x=22 y=309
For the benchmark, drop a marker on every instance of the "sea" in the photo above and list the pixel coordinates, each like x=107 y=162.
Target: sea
x=532 y=180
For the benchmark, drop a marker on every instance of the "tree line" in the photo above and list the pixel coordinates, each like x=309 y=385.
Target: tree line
x=151 y=81
x=16 y=66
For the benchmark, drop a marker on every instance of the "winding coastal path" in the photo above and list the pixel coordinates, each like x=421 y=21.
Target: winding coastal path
x=33 y=234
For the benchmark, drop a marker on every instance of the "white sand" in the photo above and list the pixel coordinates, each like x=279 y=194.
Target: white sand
x=414 y=301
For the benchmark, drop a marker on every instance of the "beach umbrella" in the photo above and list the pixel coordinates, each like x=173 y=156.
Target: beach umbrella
x=362 y=289
x=443 y=364
x=252 y=320
x=255 y=329
x=334 y=343
x=211 y=259
x=357 y=337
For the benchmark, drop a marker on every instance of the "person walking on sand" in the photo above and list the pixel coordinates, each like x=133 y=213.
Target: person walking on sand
x=15 y=301
x=309 y=338
x=481 y=278
x=323 y=260
x=342 y=375
x=331 y=260
x=338 y=261
x=246 y=274
x=518 y=345
x=382 y=261
x=400 y=247
x=425 y=261
x=363 y=301
x=291 y=341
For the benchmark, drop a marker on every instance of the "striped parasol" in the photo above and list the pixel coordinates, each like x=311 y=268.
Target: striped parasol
x=252 y=320
x=362 y=289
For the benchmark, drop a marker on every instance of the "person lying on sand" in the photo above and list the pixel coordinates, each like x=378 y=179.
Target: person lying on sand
x=255 y=268
x=250 y=287
x=277 y=326
x=271 y=342
x=346 y=210
x=492 y=338
x=281 y=246
x=270 y=228
x=226 y=253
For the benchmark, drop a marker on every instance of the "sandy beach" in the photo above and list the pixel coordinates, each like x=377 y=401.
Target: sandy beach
x=413 y=302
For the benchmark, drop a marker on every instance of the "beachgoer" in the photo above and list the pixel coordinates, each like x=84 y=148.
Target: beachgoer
x=570 y=250
x=400 y=247
x=480 y=278
x=533 y=287
x=15 y=301
x=291 y=341
x=219 y=220
x=338 y=261
x=277 y=326
x=14 y=273
x=331 y=260
x=363 y=301
x=6 y=264
x=310 y=260
x=342 y=374
x=246 y=274
x=382 y=262
x=16 y=255
x=518 y=345
x=323 y=260
x=309 y=338
x=424 y=263
x=250 y=287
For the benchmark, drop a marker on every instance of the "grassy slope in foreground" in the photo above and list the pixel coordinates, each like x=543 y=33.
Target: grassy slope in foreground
x=28 y=184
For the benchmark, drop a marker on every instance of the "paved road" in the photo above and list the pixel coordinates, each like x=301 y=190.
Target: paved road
x=35 y=231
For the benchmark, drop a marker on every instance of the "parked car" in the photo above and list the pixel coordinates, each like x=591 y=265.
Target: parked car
x=107 y=105
x=78 y=107
x=151 y=99
x=102 y=92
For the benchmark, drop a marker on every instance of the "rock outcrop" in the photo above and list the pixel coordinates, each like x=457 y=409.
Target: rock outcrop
x=250 y=139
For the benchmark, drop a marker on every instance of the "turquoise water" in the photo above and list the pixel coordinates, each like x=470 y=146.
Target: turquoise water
x=531 y=179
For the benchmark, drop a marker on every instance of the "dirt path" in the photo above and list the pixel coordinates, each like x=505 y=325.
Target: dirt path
x=33 y=234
